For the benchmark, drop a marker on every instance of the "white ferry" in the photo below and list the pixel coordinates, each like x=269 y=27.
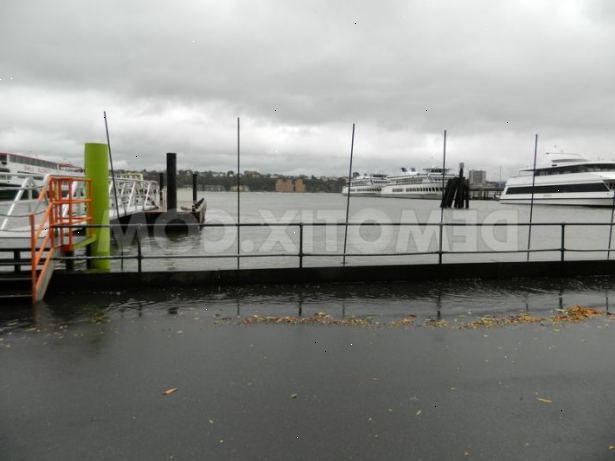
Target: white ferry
x=569 y=180
x=412 y=184
x=15 y=169
x=366 y=185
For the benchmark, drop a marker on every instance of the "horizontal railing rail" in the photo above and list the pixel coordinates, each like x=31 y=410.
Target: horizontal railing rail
x=301 y=254
x=341 y=224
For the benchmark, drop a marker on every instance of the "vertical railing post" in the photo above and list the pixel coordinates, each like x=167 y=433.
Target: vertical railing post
x=440 y=244
x=529 y=230
x=348 y=197
x=139 y=252
x=89 y=205
x=441 y=239
x=563 y=235
x=238 y=194
x=301 y=245
x=70 y=212
x=33 y=263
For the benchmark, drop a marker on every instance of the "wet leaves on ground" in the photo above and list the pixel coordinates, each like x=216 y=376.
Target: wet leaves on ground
x=574 y=313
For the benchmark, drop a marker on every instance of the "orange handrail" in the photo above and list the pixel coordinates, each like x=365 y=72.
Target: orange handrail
x=54 y=221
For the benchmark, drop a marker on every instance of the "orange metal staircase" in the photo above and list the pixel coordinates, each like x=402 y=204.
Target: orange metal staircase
x=68 y=205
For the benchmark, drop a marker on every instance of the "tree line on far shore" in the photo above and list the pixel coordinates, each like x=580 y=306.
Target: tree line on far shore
x=256 y=182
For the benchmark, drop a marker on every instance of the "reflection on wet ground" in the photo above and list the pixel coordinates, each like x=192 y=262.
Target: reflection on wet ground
x=384 y=301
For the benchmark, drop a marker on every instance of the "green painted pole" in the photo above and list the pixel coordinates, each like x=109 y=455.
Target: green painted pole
x=96 y=163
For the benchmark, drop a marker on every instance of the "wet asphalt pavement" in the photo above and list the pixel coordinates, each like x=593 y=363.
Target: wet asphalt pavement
x=92 y=388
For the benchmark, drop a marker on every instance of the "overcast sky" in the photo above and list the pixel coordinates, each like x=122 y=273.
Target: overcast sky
x=173 y=76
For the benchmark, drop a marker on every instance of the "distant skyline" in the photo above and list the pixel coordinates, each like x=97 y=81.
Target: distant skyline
x=173 y=77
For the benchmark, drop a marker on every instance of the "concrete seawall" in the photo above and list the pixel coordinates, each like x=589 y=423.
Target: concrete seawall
x=76 y=281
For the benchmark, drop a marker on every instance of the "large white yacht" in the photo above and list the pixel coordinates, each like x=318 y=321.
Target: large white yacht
x=412 y=184
x=369 y=185
x=569 y=180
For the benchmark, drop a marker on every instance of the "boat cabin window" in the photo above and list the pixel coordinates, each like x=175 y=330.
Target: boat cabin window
x=558 y=188
x=27 y=161
x=568 y=169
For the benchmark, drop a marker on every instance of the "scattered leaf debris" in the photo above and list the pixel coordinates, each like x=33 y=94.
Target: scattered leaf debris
x=489 y=321
x=577 y=313
x=574 y=313
x=407 y=321
x=320 y=318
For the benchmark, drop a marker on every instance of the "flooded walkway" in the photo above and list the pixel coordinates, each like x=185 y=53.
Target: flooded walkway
x=88 y=380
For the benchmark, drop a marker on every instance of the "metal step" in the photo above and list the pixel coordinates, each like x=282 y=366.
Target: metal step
x=17 y=262
x=9 y=282
x=15 y=288
x=9 y=250
x=17 y=297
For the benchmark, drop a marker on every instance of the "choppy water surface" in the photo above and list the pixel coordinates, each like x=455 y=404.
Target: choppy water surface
x=326 y=242
x=330 y=208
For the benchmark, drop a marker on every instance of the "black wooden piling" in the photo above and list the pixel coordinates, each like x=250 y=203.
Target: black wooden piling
x=161 y=186
x=457 y=192
x=171 y=181
x=194 y=177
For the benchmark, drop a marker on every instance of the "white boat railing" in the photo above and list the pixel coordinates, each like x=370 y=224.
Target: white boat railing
x=134 y=194
x=24 y=202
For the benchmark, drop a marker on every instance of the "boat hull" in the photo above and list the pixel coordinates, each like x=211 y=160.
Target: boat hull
x=363 y=192
x=423 y=196
x=594 y=200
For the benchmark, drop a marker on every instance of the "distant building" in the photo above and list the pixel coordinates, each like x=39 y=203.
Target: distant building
x=299 y=185
x=289 y=185
x=242 y=188
x=213 y=188
x=284 y=185
x=477 y=177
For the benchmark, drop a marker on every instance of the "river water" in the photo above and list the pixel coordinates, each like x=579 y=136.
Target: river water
x=377 y=299
x=326 y=209
x=326 y=241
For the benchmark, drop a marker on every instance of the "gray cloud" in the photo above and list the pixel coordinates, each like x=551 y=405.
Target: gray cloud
x=174 y=76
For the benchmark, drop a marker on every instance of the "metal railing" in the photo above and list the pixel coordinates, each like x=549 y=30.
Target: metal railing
x=302 y=255
x=68 y=205
x=26 y=194
x=134 y=194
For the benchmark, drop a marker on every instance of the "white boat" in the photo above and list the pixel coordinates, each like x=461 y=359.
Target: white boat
x=15 y=169
x=569 y=180
x=366 y=185
x=412 y=184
